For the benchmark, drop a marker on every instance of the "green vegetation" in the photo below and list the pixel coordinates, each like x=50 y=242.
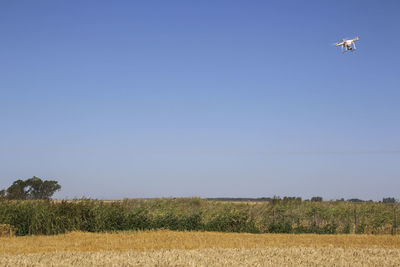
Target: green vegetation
x=277 y=216
x=33 y=188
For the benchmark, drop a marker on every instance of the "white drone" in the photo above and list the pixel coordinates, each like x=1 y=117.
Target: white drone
x=348 y=45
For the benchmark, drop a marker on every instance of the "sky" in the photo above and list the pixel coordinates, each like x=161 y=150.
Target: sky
x=137 y=99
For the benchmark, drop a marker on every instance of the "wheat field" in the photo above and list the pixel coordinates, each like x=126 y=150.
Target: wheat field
x=169 y=248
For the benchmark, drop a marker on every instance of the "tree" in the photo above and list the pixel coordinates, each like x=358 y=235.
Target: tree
x=38 y=189
x=17 y=190
x=316 y=199
x=33 y=188
x=389 y=200
x=2 y=194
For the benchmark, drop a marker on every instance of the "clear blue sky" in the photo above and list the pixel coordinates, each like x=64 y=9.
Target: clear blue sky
x=201 y=98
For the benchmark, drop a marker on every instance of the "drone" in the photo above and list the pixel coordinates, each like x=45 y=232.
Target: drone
x=348 y=45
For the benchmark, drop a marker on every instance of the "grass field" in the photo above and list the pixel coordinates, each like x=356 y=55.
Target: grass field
x=166 y=248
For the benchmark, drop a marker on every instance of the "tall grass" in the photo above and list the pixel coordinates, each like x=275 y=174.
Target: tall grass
x=55 y=217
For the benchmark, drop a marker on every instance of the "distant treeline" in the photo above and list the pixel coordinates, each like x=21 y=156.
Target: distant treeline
x=313 y=199
x=30 y=217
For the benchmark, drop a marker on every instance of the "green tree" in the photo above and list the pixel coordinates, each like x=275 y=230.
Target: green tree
x=316 y=199
x=38 y=189
x=3 y=194
x=17 y=190
x=389 y=200
x=33 y=188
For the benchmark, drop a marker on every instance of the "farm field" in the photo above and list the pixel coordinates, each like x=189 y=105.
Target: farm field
x=164 y=247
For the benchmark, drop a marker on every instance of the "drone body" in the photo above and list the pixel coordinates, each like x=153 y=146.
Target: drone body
x=348 y=45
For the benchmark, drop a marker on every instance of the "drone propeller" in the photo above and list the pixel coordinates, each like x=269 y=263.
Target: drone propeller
x=338 y=43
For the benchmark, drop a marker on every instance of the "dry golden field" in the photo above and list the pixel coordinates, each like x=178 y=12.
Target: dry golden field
x=168 y=248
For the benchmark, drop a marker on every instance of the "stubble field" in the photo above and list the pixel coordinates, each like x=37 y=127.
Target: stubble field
x=169 y=248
